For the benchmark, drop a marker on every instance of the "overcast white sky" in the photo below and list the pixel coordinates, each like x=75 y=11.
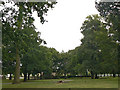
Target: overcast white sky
x=62 y=31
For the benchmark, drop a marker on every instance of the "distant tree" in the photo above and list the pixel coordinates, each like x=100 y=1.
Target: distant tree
x=29 y=55
x=74 y=62
x=39 y=59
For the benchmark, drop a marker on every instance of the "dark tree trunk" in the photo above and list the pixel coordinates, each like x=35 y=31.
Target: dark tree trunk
x=10 y=78
x=65 y=76
x=25 y=77
x=28 y=76
x=37 y=76
x=114 y=75
x=92 y=75
x=104 y=74
x=17 y=68
x=96 y=77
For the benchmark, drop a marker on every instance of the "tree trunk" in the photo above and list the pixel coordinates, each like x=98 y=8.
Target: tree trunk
x=92 y=75
x=17 y=68
x=65 y=76
x=25 y=77
x=104 y=74
x=114 y=75
x=10 y=78
x=37 y=76
x=96 y=77
x=28 y=76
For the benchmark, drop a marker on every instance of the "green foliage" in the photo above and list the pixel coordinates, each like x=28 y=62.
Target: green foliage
x=18 y=29
x=97 y=54
x=100 y=49
x=111 y=13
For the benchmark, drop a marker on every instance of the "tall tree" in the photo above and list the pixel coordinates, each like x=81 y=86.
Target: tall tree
x=111 y=13
x=19 y=17
x=98 y=47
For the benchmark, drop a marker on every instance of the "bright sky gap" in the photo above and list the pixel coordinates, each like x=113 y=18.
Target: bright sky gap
x=62 y=31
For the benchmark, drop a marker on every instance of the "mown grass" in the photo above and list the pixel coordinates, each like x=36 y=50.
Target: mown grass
x=69 y=83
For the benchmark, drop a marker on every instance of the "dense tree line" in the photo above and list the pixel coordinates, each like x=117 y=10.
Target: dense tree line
x=99 y=51
x=22 y=50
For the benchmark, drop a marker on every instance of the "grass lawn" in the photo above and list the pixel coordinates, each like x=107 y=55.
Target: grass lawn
x=69 y=83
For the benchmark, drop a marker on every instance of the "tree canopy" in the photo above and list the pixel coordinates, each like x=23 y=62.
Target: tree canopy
x=18 y=28
x=24 y=54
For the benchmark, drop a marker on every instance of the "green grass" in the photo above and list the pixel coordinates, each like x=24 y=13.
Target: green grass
x=72 y=83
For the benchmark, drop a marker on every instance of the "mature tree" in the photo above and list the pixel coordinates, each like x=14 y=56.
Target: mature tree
x=19 y=18
x=90 y=26
x=98 y=47
x=31 y=52
x=111 y=13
